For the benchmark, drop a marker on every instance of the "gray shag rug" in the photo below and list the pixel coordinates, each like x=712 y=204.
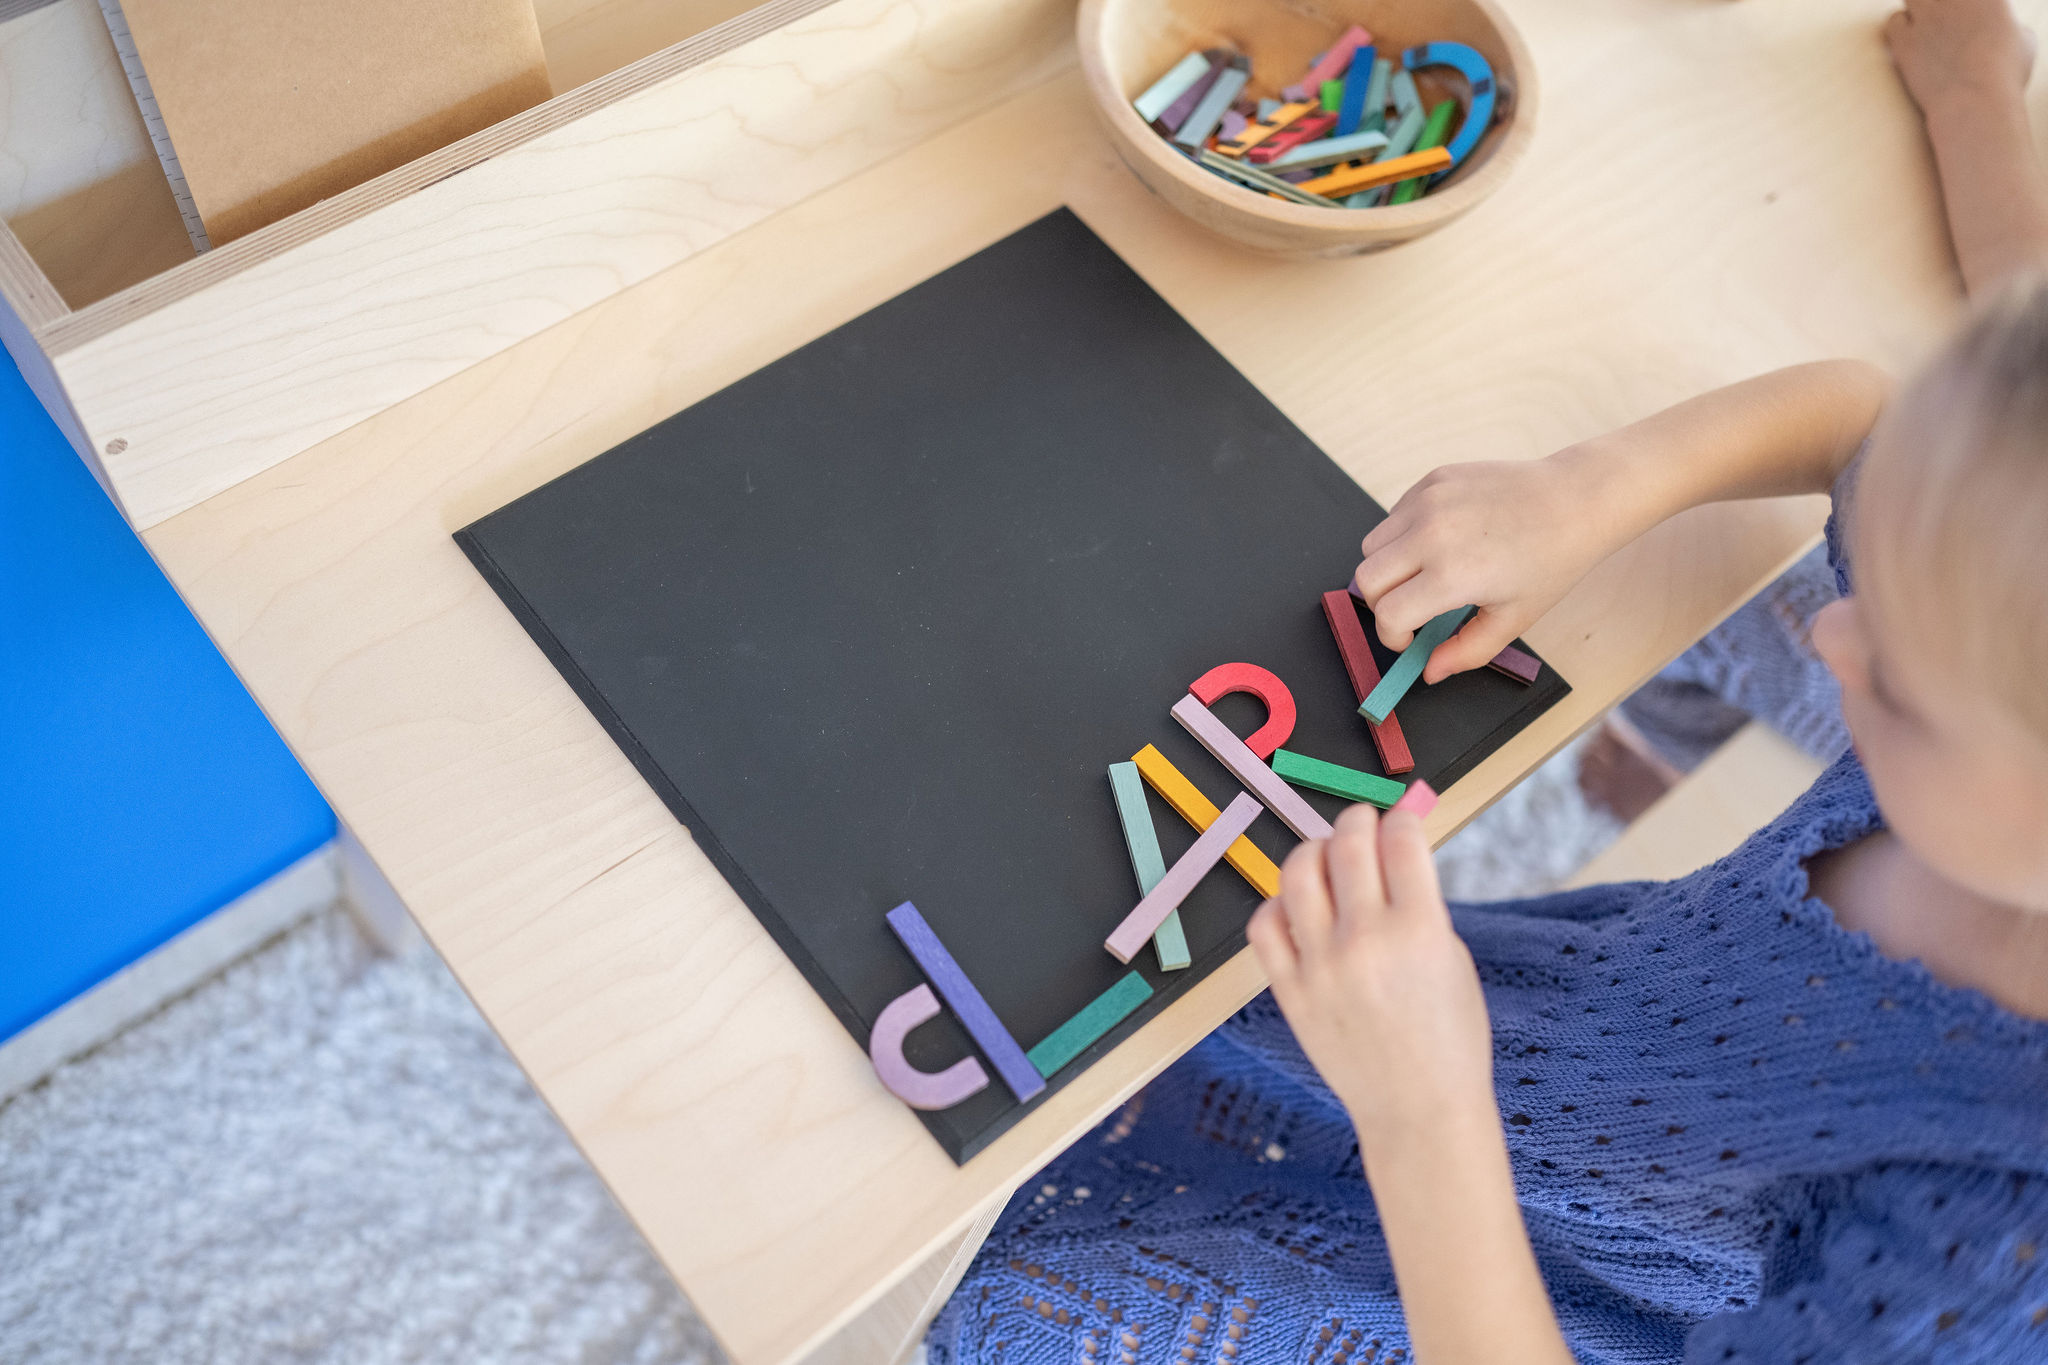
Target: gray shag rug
x=322 y=1155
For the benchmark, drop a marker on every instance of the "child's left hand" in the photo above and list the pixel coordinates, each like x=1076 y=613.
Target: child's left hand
x=1948 y=49
x=1384 y=999
x=1377 y=985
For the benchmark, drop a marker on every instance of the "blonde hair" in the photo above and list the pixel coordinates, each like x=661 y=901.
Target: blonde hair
x=1952 y=512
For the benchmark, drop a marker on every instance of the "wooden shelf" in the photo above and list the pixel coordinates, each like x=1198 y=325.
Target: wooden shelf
x=185 y=383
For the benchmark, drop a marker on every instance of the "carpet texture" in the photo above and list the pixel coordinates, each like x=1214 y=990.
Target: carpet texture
x=318 y=1156
x=322 y=1156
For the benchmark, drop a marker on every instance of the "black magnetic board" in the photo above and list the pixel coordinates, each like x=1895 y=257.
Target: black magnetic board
x=875 y=619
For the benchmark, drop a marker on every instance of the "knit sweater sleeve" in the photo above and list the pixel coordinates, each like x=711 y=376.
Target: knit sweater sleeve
x=1840 y=516
x=1899 y=1264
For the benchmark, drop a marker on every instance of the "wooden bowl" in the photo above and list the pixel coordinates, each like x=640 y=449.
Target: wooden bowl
x=1126 y=45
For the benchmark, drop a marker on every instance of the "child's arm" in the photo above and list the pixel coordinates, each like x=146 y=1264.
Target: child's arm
x=1382 y=995
x=1513 y=537
x=1966 y=62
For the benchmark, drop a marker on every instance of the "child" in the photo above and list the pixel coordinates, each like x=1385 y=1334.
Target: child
x=1792 y=1107
x=1966 y=63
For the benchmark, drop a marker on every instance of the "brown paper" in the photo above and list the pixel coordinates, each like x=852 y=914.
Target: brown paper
x=272 y=105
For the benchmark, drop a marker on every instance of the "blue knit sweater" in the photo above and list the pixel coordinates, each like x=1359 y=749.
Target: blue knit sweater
x=1739 y=1134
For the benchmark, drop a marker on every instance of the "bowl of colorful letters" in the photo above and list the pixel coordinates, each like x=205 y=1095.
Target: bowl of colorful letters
x=1312 y=127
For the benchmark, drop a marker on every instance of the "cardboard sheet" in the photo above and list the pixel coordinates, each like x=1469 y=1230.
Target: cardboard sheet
x=875 y=620
x=273 y=105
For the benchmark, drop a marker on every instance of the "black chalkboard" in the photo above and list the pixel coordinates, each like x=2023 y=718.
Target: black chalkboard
x=875 y=620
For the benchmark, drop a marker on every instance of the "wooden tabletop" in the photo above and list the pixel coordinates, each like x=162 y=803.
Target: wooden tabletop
x=1716 y=189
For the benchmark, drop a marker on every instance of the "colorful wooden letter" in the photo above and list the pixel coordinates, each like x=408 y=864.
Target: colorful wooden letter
x=1261 y=683
x=980 y=1021
x=1184 y=104
x=1263 y=129
x=1096 y=1018
x=1376 y=95
x=918 y=1089
x=1408 y=667
x=1188 y=802
x=1351 y=179
x=1336 y=779
x=1207 y=851
x=1433 y=130
x=1335 y=59
x=1401 y=90
x=1400 y=142
x=1209 y=112
x=1520 y=666
x=1246 y=766
x=1170 y=942
x=1407 y=131
x=1420 y=798
x=1468 y=63
x=1305 y=129
x=1330 y=150
x=1357 y=83
x=1251 y=177
x=1364 y=672
x=1171 y=86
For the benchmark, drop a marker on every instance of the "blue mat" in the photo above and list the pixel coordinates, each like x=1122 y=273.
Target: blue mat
x=140 y=788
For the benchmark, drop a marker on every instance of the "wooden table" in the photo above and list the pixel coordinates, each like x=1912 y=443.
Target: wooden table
x=1716 y=189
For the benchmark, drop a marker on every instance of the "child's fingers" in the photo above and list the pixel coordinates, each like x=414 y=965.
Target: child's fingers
x=1411 y=606
x=1305 y=897
x=1391 y=528
x=1271 y=942
x=1405 y=862
x=1354 y=862
x=1475 y=644
x=1278 y=957
x=1386 y=568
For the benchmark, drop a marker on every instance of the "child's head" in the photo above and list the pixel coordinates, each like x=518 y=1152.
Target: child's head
x=1943 y=651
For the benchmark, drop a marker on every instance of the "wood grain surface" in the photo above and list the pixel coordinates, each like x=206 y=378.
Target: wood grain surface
x=80 y=183
x=207 y=373
x=1640 y=254
x=586 y=39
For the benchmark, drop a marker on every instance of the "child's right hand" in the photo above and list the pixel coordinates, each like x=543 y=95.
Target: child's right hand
x=1510 y=537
